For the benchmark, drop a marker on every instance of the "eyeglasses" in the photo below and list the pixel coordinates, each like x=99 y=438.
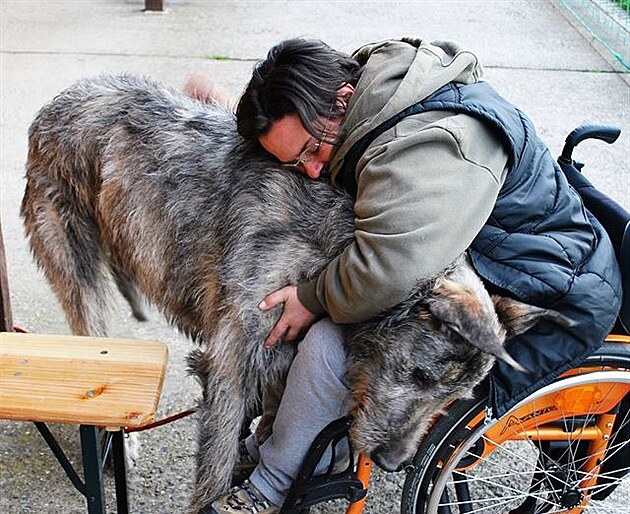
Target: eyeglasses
x=305 y=157
x=310 y=151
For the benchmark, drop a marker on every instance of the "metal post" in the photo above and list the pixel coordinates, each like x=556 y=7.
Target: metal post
x=92 y=469
x=60 y=456
x=120 y=472
x=153 y=5
x=6 y=321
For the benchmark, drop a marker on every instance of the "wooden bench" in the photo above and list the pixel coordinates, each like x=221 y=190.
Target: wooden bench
x=103 y=385
x=67 y=379
x=96 y=383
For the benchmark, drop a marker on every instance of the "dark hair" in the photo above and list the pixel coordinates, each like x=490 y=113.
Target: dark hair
x=298 y=76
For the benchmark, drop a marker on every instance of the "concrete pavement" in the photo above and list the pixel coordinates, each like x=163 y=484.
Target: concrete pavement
x=531 y=52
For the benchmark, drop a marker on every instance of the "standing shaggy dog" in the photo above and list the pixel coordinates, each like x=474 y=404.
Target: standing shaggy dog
x=130 y=180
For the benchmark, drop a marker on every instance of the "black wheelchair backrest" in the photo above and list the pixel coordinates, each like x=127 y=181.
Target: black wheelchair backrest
x=613 y=217
x=624 y=262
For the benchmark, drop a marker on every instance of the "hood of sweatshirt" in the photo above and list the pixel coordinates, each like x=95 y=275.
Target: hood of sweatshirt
x=397 y=74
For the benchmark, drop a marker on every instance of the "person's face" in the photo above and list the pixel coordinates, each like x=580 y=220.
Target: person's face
x=291 y=144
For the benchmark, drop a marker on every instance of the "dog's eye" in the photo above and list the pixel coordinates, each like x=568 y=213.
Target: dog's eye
x=420 y=377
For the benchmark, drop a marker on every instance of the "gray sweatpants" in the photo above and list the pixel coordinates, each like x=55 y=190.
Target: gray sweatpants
x=316 y=394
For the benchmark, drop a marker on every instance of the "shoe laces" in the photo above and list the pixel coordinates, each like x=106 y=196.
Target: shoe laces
x=247 y=499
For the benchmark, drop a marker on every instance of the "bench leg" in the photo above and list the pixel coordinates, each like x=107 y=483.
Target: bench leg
x=92 y=469
x=60 y=456
x=120 y=472
x=93 y=455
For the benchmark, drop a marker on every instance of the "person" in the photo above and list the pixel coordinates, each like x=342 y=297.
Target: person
x=438 y=164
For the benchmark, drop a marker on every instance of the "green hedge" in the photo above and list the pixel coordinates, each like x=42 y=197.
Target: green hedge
x=624 y=4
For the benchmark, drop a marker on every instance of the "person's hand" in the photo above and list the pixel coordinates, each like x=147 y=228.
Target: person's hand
x=202 y=87
x=294 y=319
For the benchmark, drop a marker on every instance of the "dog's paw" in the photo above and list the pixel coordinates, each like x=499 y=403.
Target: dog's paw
x=132 y=450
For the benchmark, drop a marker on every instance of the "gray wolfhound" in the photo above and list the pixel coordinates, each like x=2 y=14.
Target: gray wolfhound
x=128 y=179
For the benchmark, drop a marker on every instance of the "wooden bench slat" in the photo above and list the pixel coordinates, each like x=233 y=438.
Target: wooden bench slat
x=80 y=380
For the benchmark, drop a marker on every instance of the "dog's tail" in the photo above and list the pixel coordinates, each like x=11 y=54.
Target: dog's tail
x=58 y=211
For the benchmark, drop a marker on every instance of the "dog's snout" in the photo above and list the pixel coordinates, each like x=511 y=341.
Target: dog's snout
x=389 y=460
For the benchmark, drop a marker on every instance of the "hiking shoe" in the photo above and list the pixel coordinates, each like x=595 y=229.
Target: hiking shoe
x=245 y=465
x=243 y=499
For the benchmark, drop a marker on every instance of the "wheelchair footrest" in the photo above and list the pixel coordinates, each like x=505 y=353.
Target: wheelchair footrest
x=309 y=488
x=328 y=488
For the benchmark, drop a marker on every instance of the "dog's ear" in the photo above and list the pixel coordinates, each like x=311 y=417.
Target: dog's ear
x=518 y=317
x=461 y=310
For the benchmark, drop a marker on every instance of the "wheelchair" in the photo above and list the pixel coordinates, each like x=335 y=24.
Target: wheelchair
x=564 y=448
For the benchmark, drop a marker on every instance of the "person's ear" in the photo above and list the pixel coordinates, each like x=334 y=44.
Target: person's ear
x=344 y=93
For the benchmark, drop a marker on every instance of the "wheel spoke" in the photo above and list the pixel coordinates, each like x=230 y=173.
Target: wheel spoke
x=504 y=500
x=501 y=448
x=496 y=467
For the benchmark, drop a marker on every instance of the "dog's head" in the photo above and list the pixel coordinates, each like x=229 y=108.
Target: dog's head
x=406 y=368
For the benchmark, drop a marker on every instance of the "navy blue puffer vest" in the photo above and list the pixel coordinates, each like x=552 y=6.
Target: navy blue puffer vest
x=540 y=245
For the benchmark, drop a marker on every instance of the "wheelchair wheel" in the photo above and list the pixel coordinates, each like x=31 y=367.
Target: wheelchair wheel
x=563 y=449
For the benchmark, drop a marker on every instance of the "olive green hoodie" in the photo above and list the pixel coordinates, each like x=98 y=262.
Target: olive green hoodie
x=425 y=187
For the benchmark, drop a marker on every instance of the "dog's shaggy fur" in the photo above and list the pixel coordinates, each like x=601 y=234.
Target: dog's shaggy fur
x=130 y=180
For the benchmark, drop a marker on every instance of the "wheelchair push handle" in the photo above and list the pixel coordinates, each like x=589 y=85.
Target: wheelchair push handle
x=606 y=133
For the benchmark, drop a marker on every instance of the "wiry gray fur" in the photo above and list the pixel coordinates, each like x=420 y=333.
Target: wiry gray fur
x=131 y=180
